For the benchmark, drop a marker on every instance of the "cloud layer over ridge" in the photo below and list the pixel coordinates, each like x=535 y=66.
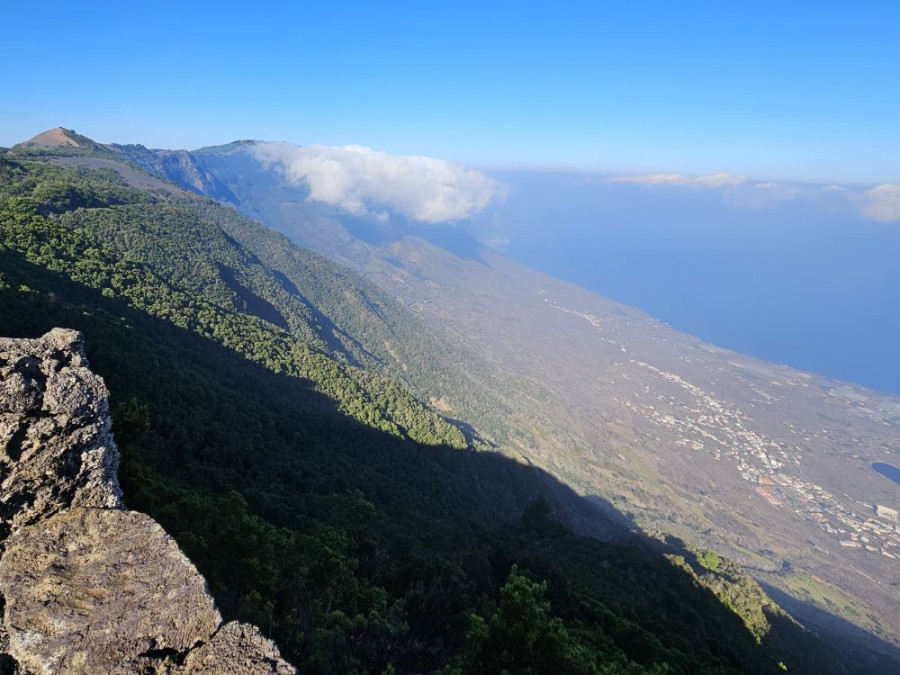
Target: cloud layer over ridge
x=363 y=181
x=711 y=181
x=883 y=203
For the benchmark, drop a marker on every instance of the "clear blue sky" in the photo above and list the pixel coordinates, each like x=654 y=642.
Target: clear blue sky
x=787 y=90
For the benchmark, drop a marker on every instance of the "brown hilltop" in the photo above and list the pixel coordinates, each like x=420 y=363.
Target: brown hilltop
x=53 y=138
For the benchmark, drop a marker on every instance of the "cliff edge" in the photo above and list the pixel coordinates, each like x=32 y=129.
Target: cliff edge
x=87 y=586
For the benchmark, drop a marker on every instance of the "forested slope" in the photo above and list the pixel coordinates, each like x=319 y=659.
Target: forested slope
x=322 y=501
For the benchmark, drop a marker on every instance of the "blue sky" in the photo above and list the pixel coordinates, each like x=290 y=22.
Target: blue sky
x=796 y=91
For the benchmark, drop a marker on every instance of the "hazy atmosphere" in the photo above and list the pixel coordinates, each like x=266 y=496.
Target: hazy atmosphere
x=742 y=183
x=799 y=91
x=450 y=338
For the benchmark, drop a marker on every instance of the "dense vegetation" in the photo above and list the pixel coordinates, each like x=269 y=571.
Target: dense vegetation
x=68 y=244
x=322 y=501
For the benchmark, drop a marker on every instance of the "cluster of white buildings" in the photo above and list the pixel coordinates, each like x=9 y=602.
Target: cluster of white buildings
x=773 y=469
x=712 y=426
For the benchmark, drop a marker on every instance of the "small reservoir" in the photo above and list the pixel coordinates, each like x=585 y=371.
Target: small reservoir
x=888 y=471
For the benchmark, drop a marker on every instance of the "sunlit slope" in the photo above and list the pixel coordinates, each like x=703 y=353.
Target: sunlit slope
x=321 y=500
x=765 y=463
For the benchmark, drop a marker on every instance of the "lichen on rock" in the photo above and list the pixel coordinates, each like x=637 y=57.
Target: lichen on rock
x=86 y=586
x=56 y=449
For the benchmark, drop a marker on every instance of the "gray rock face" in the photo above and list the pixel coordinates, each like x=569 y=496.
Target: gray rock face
x=86 y=586
x=239 y=649
x=56 y=451
x=101 y=587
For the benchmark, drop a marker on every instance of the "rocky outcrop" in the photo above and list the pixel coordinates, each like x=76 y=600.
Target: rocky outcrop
x=58 y=452
x=85 y=585
x=238 y=649
x=179 y=166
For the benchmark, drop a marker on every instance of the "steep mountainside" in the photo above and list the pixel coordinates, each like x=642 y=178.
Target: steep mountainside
x=242 y=265
x=86 y=586
x=322 y=502
x=766 y=464
x=178 y=165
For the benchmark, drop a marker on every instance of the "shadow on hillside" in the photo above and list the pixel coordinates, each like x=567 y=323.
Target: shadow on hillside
x=451 y=239
x=371 y=231
x=220 y=422
x=381 y=234
x=862 y=646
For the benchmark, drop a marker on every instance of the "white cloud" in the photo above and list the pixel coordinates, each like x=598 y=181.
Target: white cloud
x=363 y=181
x=763 y=195
x=719 y=180
x=498 y=243
x=740 y=191
x=712 y=180
x=655 y=179
x=882 y=203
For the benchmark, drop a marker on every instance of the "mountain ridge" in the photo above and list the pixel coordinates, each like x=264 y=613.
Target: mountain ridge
x=483 y=299
x=84 y=222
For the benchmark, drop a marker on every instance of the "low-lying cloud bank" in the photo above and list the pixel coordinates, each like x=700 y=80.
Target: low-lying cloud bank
x=363 y=181
x=712 y=180
x=881 y=203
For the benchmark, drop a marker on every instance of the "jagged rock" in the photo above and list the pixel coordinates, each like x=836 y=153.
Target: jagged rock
x=56 y=450
x=86 y=586
x=238 y=649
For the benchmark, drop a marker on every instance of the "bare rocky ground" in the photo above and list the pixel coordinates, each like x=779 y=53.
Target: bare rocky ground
x=87 y=586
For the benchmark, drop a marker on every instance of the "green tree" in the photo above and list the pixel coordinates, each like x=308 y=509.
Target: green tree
x=710 y=560
x=131 y=420
x=522 y=637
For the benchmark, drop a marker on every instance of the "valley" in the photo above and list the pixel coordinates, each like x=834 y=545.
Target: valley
x=764 y=463
x=634 y=433
x=450 y=339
